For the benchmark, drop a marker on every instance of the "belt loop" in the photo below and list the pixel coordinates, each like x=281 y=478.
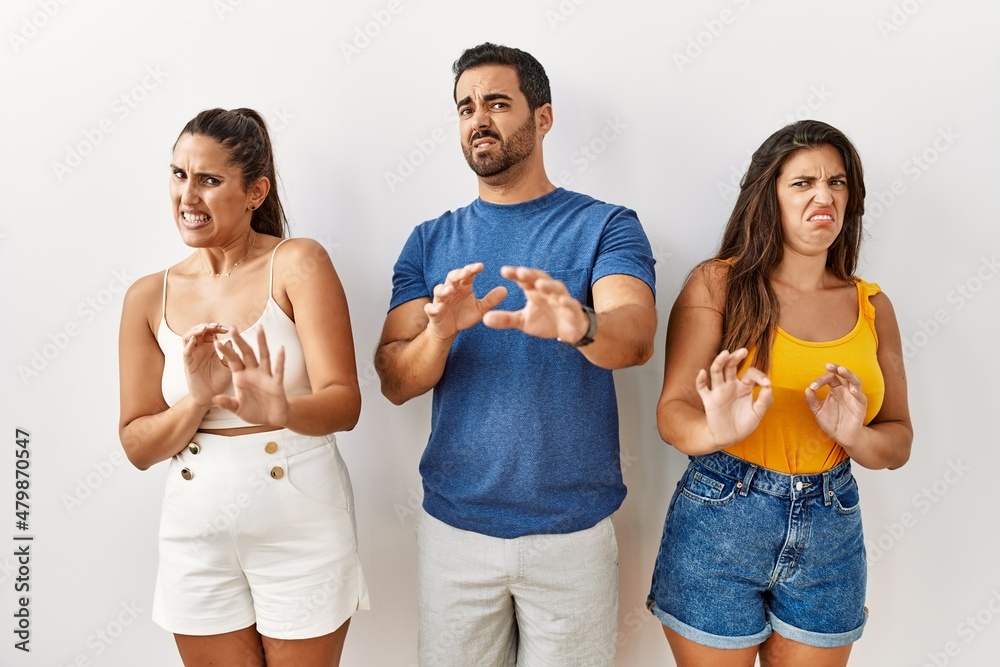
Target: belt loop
x=747 y=478
x=827 y=491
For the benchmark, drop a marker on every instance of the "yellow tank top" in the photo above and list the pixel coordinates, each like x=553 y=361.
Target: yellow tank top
x=788 y=439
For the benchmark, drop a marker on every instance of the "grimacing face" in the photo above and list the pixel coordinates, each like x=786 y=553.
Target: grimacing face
x=496 y=127
x=210 y=204
x=812 y=193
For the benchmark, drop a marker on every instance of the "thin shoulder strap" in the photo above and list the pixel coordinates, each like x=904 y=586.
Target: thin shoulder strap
x=164 y=306
x=270 y=282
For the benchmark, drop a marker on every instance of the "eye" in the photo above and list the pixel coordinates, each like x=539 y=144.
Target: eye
x=499 y=105
x=800 y=184
x=211 y=180
x=178 y=173
x=464 y=111
x=838 y=183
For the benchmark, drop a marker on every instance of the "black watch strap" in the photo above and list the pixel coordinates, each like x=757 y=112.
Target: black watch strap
x=588 y=337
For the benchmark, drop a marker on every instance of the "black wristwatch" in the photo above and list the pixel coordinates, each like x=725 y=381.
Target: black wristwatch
x=588 y=337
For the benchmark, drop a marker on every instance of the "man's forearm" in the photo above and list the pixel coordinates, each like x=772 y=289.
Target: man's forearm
x=409 y=368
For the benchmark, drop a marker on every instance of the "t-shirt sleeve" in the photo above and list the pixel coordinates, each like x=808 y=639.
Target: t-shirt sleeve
x=408 y=282
x=624 y=249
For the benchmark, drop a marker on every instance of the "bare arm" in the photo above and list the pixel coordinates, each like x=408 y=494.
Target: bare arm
x=626 y=316
x=149 y=429
x=418 y=334
x=703 y=411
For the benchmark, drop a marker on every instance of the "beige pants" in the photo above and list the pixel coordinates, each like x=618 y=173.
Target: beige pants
x=527 y=601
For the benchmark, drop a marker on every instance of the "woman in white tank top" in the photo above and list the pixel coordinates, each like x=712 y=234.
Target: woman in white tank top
x=237 y=365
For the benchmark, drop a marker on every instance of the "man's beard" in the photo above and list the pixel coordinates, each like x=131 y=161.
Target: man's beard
x=508 y=153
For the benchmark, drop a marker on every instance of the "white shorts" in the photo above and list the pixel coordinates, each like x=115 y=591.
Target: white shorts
x=258 y=529
x=528 y=601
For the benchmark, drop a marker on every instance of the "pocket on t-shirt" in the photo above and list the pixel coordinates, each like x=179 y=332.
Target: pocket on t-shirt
x=577 y=281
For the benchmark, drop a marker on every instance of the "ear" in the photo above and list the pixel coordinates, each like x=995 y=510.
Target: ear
x=257 y=192
x=543 y=118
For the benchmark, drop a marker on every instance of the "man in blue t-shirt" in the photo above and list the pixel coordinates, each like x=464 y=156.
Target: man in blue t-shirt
x=517 y=558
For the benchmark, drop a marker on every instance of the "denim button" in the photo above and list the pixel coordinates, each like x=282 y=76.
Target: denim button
x=798 y=486
x=271 y=447
x=277 y=472
x=194 y=448
x=187 y=474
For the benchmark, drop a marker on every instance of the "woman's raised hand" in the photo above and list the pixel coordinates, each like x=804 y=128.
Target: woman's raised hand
x=842 y=413
x=206 y=375
x=730 y=408
x=260 y=390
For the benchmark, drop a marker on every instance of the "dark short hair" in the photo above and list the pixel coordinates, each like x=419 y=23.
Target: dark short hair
x=530 y=73
x=243 y=133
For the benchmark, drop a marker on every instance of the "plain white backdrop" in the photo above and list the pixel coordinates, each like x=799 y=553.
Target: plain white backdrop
x=657 y=106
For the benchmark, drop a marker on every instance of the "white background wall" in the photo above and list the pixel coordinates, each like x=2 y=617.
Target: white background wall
x=914 y=84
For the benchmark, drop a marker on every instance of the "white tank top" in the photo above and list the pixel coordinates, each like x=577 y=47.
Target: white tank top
x=280 y=332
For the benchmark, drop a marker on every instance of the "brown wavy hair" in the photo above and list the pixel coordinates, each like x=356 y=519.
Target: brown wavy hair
x=753 y=242
x=243 y=133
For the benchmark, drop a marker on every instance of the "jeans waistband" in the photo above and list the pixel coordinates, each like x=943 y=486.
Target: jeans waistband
x=750 y=475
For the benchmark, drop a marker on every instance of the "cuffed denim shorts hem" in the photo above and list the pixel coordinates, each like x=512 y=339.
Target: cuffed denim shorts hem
x=817 y=639
x=705 y=638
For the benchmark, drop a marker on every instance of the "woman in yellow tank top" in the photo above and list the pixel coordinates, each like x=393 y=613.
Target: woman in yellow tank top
x=781 y=369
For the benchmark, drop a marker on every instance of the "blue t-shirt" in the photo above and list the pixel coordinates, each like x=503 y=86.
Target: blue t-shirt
x=524 y=430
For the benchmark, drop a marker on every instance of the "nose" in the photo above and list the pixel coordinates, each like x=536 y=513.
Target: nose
x=188 y=193
x=823 y=193
x=480 y=119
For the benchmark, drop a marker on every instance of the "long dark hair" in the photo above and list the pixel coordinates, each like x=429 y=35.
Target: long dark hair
x=753 y=243
x=243 y=133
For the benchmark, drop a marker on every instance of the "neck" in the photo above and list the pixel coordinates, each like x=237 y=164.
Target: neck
x=802 y=272
x=522 y=182
x=223 y=260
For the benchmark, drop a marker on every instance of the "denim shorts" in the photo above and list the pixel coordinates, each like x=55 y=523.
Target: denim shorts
x=747 y=551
